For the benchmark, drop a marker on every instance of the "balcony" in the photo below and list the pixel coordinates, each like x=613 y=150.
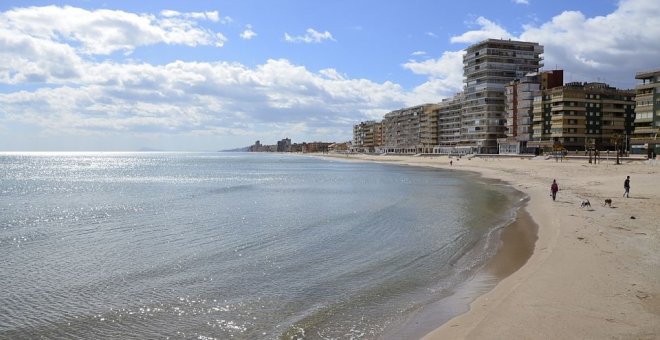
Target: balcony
x=646 y=86
x=647 y=130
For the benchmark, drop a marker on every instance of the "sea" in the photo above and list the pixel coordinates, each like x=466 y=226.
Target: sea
x=159 y=245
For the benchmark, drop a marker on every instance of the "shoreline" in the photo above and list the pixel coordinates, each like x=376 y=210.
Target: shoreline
x=516 y=244
x=593 y=272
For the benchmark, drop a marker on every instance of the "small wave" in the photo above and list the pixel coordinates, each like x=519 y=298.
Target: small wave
x=234 y=188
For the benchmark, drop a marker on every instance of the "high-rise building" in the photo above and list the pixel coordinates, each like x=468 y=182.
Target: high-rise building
x=581 y=116
x=518 y=104
x=487 y=67
x=256 y=147
x=284 y=145
x=647 y=114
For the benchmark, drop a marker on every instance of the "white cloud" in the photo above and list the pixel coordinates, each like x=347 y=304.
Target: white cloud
x=220 y=39
x=169 y=13
x=521 y=2
x=211 y=16
x=248 y=33
x=101 y=32
x=610 y=48
x=418 y=53
x=431 y=34
x=187 y=97
x=311 y=36
x=88 y=97
x=488 y=30
x=445 y=76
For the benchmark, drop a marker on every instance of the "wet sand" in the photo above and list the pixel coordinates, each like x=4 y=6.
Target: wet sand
x=594 y=273
x=518 y=241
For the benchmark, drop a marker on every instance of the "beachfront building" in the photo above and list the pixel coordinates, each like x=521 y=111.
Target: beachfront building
x=428 y=129
x=411 y=130
x=582 y=116
x=487 y=67
x=647 y=114
x=262 y=148
x=284 y=145
x=449 y=124
x=518 y=105
x=367 y=136
x=315 y=147
x=340 y=147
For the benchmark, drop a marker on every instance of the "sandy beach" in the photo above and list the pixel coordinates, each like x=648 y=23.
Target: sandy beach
x=594 y=272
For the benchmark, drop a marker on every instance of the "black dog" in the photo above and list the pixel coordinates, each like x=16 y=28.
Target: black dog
x=608 y=202
x=585 y=203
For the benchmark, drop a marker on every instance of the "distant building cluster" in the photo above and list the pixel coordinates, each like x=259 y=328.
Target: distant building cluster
x=285 y=145
x=509 y=106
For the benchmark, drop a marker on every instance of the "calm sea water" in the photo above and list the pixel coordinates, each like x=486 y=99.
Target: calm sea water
x=232 y=245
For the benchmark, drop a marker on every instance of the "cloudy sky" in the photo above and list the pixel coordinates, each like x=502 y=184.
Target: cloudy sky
x=211 y=75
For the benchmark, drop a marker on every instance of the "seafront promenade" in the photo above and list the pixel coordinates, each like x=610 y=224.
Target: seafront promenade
x=594 y=272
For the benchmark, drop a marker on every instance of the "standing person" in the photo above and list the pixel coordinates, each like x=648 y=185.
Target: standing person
x=626 y=187
x=554 y=188
x=451 y=163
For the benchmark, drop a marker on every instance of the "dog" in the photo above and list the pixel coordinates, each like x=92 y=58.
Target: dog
x=608 y=202
x=585 y=203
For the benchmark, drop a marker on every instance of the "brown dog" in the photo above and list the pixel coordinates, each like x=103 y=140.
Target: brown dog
x=608 y=202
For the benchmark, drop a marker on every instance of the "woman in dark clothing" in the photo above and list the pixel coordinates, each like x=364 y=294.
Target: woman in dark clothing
x=554 y=188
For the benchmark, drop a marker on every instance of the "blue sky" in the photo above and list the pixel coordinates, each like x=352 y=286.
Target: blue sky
x=211 y=75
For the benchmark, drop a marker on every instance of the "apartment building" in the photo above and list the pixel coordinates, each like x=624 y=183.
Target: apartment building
x=581 y=116
x=411 y=130
x=284 y=145
x=367 y=136
x=315 y=147
x=487 y=67
x=449 y=124
x=647 y=114
x=428 y=129
x=518 y=104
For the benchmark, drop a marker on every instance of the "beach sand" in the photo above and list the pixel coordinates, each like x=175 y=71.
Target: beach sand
x=594 y=272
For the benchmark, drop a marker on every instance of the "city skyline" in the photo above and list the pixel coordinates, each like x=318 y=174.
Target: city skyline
x=206 y=76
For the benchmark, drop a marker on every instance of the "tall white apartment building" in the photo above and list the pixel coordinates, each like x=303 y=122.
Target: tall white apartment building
x=488 y=67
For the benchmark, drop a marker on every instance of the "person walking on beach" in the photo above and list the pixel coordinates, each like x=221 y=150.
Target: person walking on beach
x=554 y=188
x=451 y=163
x=626 y=187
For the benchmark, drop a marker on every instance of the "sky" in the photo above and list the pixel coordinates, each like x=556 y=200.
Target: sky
x=214 y=75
